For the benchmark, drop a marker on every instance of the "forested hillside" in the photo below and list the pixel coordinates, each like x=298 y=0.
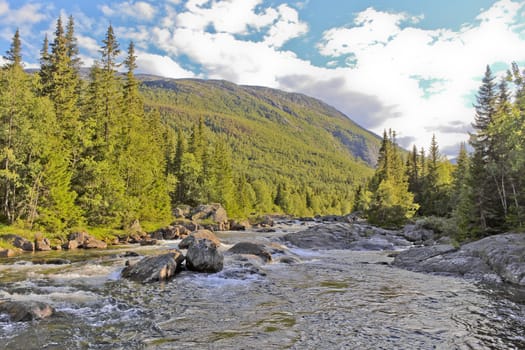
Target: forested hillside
x=105 y=149
x=295 y=152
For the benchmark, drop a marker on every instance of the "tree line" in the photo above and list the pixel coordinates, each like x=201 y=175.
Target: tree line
x=79 y=150
x=483 y=194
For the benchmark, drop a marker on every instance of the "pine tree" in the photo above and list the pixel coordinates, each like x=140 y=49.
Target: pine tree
x=110 y=86
x=45 y=67
x=391 y=204
x=63 y=90
x=487 y=212
x=72 y=46
x=14 y=55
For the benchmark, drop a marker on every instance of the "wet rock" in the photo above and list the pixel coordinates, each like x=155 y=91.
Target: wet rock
x=290 y=260
x=26 y=311
x=211 y=212
x=170 y=232
x=20 y=242
x=251 y=249
x=148 y=241
x=181 y=212
x=7 y=253
x=242 y=267
x=51 y=261
x=500 y=257
x=414 y=256
x=415 y=233
x=239 y=225
x=154 y=268
x=84 y=240
x=199 y=235
x=129 y=254
x=42 y=244
x=265 y=221
x=203 y=256
x=346 y=236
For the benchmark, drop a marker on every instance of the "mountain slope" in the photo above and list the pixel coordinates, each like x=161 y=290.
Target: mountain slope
x=275 y=135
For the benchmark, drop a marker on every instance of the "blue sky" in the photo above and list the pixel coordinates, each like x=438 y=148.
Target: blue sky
x=410 y=65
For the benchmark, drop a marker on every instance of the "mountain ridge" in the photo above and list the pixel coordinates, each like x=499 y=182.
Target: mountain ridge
x=362 y=143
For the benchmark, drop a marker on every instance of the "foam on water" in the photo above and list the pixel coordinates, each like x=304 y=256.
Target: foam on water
x=53 y=297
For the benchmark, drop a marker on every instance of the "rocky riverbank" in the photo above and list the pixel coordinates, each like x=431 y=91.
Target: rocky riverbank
x=494 y=259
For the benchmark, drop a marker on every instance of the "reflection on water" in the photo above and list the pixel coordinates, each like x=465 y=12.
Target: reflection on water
x=332 y=300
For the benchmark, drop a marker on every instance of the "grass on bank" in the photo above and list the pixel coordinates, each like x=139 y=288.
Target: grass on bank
x=102 y=233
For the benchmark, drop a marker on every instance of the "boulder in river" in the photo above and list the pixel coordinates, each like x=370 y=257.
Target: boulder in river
x=346 y=236
x=494 y=258
x=84 y=240
x=19 y=242
x=154 y=268
x=42 y=243
x=203 y=256
x=213 y=213
x=7 y=253
x=19 y=311
x=199 y=235
x=251 y=249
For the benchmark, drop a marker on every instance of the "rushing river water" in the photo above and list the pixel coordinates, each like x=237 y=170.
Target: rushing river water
x=331 y=300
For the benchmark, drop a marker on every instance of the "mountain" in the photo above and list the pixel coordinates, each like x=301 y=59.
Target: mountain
x=276 y=136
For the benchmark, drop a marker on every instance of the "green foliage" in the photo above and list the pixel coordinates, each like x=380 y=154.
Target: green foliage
x=272 y=137
x=391 y=204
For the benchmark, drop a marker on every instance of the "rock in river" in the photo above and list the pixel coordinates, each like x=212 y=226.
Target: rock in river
x=203 y=256
x=498 y=258
x=346 y=236
x=251 y=249
x=154 y=268
x=199 y=235
x=19 y=311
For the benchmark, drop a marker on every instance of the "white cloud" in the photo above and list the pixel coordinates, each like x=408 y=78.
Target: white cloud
x=287 y=27
x=4 y=7
x=227 y=16
x=27 y=14
x=161 y=65
x=393 y=58
x=399 y=76
x=139 y=10
x=89 y=44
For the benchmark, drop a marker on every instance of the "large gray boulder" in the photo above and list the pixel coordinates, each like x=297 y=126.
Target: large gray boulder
x=154 y=268
x=24 y=244
x=19 y=311
x=197 y=236
x=249 y=248
x=495 y=258
x=84 y=240
x=346 y=236
x=7 y=253
x=203 y=256
x=211 y=213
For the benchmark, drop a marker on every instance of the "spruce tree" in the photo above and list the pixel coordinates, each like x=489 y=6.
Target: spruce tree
x=13 y=56
x=391 y=203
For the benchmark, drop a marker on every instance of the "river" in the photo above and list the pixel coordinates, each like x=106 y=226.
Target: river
x=330 y=300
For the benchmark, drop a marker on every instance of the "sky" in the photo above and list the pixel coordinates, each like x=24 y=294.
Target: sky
x=413 y=66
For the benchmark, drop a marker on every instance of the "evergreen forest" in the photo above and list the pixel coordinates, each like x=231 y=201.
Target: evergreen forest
x=104 y=148
x=482 y=194
x=108 y=147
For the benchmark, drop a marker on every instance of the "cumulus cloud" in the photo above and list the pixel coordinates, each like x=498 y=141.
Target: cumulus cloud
x=89 y=44
x=425 y=74
x=27 y=14
x=287 y=27
x=139 y=10
x=231 y=16
x=161 y=65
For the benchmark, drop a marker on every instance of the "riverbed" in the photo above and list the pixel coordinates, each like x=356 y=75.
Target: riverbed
x=335 y=299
